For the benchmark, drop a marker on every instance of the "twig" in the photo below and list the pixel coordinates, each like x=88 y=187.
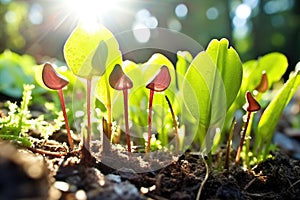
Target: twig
x=48 y=153
x=204 y=180
x=55 y=154
x=294 y=184
x=249 y=184
x=269 y=194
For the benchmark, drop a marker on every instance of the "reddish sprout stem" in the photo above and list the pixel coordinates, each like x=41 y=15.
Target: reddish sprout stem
x=87 y=139
x=149 y=120
x=63 y=107
x=125 y=95
x=238 y=154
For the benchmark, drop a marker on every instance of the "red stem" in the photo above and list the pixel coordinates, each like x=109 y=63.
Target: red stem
x=238 y=154
x=87 y=139
x=149 y=120
x=63 y=107
x=125 y=95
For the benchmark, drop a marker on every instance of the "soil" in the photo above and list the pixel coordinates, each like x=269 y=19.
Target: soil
x=50 y=171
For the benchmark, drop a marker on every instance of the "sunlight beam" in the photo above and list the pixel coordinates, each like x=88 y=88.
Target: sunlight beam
x=90 y=12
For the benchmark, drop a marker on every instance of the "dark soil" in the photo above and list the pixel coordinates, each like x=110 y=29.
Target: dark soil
x=47 y=171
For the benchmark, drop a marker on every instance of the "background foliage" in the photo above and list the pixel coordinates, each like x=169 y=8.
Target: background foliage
x=254 y=27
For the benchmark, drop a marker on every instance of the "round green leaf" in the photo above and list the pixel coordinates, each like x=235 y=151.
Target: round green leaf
x=89 y=53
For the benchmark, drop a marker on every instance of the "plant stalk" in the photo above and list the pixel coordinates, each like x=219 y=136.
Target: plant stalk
x=87 y=139
x=63 y=108
x=248 y=133
x=226 y=165
x=109 y=110
x=149 y=120
x=175 y=125
x=125 y=95
x=238 y=154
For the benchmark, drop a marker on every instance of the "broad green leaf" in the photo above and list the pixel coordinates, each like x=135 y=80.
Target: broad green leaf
x=271 y=115
x=229 y=67
x=91 y=53
x=214 y=78
x=100 y=56
x=274 y=64
x=204 y=82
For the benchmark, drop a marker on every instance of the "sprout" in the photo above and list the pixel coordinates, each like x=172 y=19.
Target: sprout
x=263 y=84
x=160 y=83
x=55 y=81
x=119 y=81
x=253 y=106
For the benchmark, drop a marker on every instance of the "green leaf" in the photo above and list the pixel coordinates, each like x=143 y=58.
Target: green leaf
x=210 y=86
x=99 y=58
x=22 y=140
x=15 y=70
x=89 y=53
x=274 y=64
x=229 y=66
x=203 y=81
x=271 y=115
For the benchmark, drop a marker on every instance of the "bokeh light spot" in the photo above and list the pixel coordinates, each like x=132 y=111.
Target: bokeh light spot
x=141 y=33
x=212 y=13
x=174 y=24
x=10 y=17
x=145 y=18
x=243 y=11
x=239 y=22
x=181 y=10
x=275 y=6
x=36 y=14
x=251 y=3
x=151 y=22
x=142 y=14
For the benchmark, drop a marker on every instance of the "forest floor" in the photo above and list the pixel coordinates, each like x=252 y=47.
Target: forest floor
x=47 y=171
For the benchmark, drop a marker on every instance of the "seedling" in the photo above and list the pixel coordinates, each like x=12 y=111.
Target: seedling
x=92 y=54
x=210 y=86
x=55 y=81
x=119 y=81
x=159 y=84
x=253 y=106
x=261 y=88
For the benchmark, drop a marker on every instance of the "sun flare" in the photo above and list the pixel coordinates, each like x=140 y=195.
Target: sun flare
x=90 y=12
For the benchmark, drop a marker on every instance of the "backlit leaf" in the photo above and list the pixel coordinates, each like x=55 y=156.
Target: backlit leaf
x=214 y=78
x=90 y=53
x=229 y=66
x=271 y=115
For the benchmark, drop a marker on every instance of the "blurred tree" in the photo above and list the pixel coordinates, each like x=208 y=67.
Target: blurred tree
x=254 y=27
x=276 y=28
